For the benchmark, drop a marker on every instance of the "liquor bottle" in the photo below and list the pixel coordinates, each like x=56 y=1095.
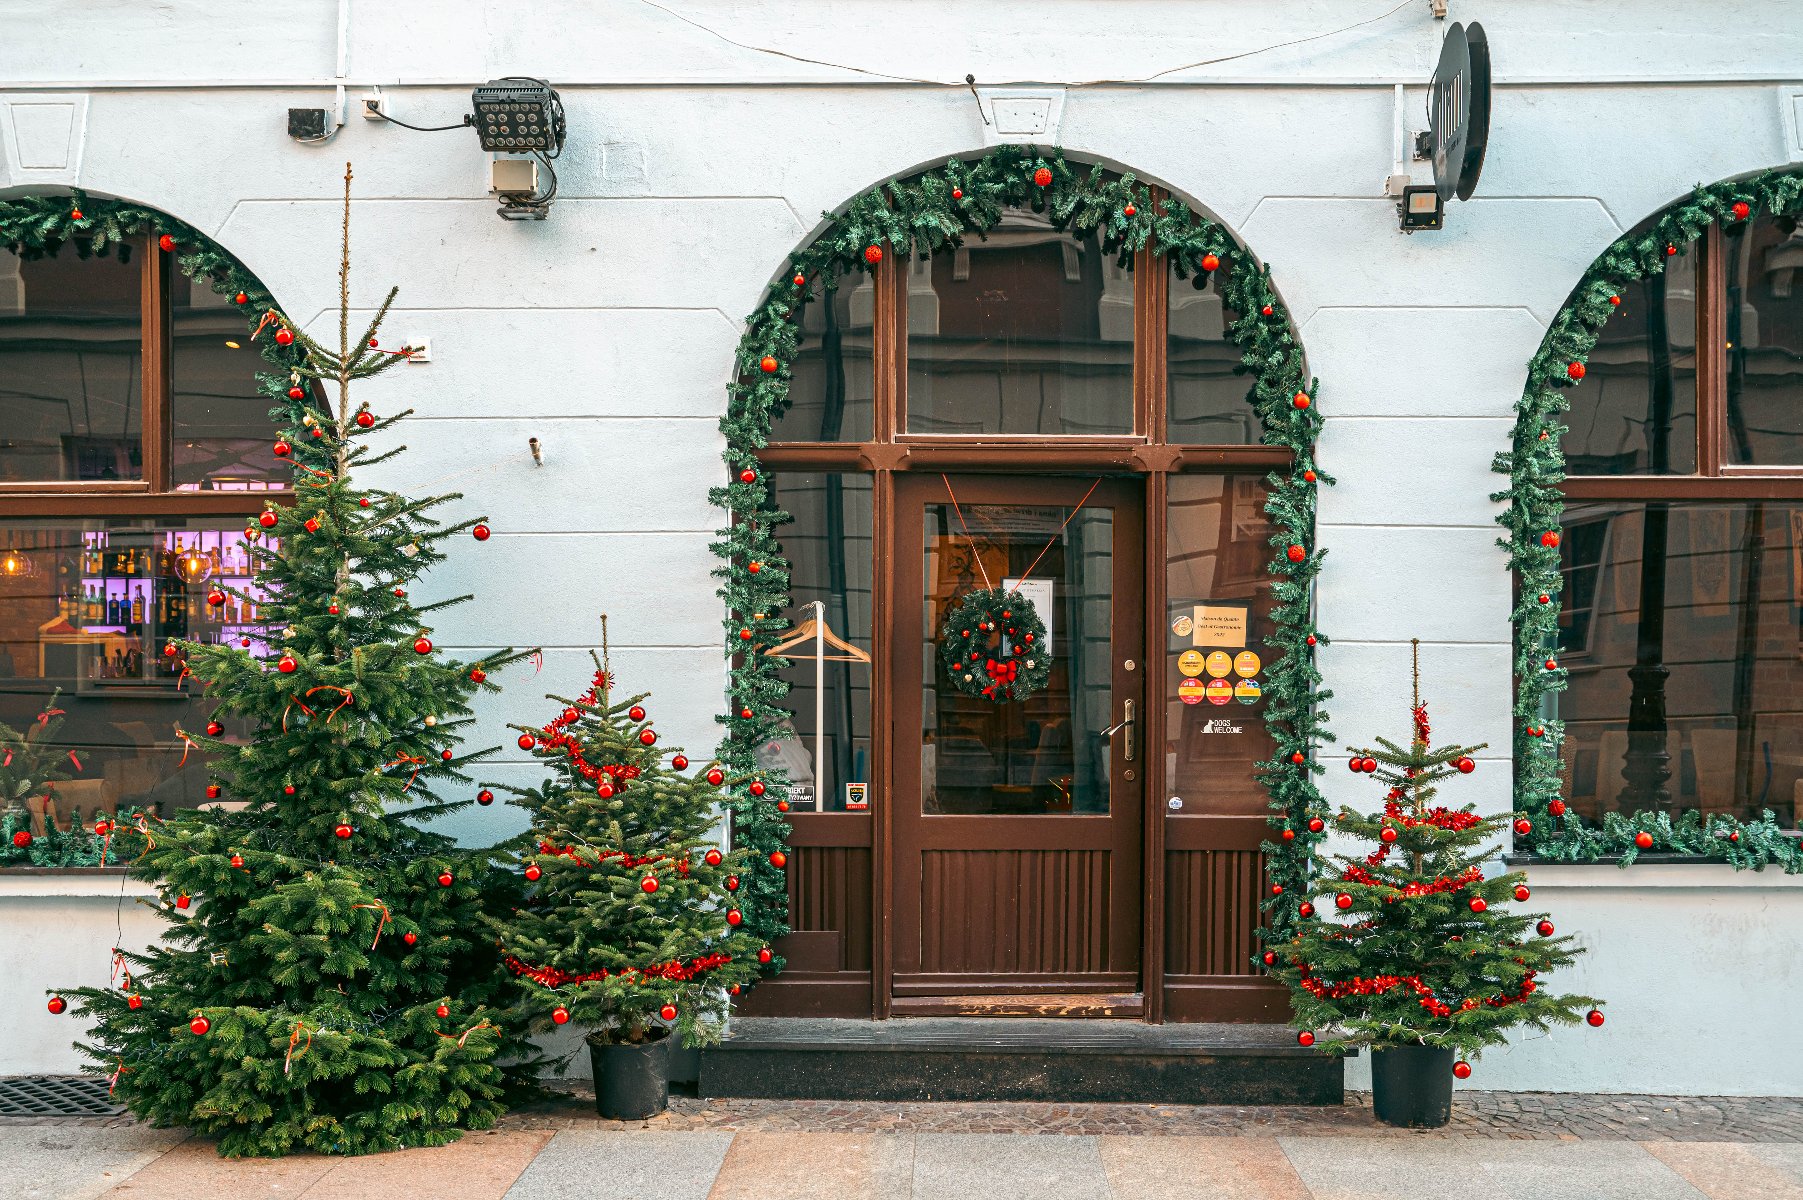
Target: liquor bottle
x=137 y=606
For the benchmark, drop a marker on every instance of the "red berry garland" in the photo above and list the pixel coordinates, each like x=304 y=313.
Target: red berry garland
x=991 y=646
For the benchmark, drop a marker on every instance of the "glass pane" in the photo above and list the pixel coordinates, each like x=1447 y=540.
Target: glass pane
x=1029 y=332
x=70 y=372
x=1635 y=413
x=1765 y=343
x=1216 y=551
x=829 y=547
x=1207 y=399
x=832 y=388
x=85 y=607
x=1685 y=656
x=221 y=422
x=1044 y=754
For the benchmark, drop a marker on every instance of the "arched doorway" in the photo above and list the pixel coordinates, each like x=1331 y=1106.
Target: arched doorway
x=1058 y=406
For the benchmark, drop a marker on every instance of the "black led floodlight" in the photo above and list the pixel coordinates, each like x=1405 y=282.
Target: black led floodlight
x=518 y=115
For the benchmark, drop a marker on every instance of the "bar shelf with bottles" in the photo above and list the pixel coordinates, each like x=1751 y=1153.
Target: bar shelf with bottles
x=133 y=590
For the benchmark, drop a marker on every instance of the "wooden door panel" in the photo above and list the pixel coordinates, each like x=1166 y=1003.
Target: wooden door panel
x=1015 y=911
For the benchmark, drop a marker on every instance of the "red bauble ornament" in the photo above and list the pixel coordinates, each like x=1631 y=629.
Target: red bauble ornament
x=288 y=790
x=1741 y=210
x=343 y=831
x=1342 y=901
x=957 y=193
x=1461 y=1070
x=1352 y=764
x=1387 y=835
x=267 y=519
x=1575 y=370
x=75 y=214
x=363 y=502
x=636 y=713
x=873 y=255
x=1552 y=664
x=533 y=872
x=526 y=741
x=1128 y=211
x=1465 y=765
x=605 y=790
x=769 y=365
x=282 y=448
x=648 y=884
x=1316 y=824
x=667 y=1012
x=1297 y=758
x=732 y=883
x=1544 y=929
x=485 y=797
x=1277 y=889
x=744 y=635
x=734 y=916
x=286 y=664
x=754 y=567
x=1643 y=839
x=1615 y=301
x=1043 y=177
x=284 y=337
x=1270 y=958
x=756 y=788
x=648 y=738
x=444 y=879
x=365 y=419
x=1306 y=910
x=1523 y=827
x=1478 y=905
x=240 y=298
x=22 y=838
x=745 y=714
x=1305 y=1038
x=296 y=393
x=165 y=243
x=236 y=861
x=443 y=1010
x=560 y=1014
x=680 y=762
x=477 y=674
x=748 y=476
x=1296 y=554
x=1211 y=262
x=715 y=776
x=1301 y=400
x=1550 y=538
x=1670 y=249
x=446 y=755
x=1593 y=1018
x=571 y=716
x=778 y=859
x=1289 y=835
x=1310 y=639
x=800 y=279
x=712 y=858
x=480 y=532
x=422 y=644
x=1557 y=808
x=764 y=955
x=1368 y=765
x=199 y=1026
x=332 y=609
x=410 y=937
x=1545 y=599
x=1521 y=891
x=1308 y=477
x=733 y=990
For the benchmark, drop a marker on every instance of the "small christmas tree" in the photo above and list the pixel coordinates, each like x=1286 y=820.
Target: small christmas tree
x=1413 y=944
x=630 y=912
x=31 y=761
x=326 y=981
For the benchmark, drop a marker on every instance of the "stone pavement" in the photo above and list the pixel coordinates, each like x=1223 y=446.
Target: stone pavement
x=1514 y=1145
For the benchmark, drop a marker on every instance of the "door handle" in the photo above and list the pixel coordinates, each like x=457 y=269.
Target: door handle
x=1129 y=744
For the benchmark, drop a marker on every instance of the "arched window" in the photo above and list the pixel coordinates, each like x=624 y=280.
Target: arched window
x=1681 y=538
x=1025 y=408
x=134 y=452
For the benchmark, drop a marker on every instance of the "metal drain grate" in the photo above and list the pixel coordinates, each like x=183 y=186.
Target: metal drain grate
x=56 y=1096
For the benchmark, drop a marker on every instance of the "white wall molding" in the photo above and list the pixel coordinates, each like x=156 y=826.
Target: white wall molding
x=42 y=136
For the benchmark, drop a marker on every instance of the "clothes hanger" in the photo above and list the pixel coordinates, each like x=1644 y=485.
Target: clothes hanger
x=816 y=630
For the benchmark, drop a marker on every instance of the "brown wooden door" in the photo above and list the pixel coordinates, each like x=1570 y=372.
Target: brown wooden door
x=1017 y=828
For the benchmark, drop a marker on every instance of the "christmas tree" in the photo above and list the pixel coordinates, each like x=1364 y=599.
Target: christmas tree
x=631 y=911
x=1414 y=943
x=30 y=761
x=326 y=981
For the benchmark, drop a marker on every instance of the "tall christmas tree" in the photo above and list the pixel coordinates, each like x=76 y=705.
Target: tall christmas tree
x=326 y=981
x=1413 y=944
x=631 y=911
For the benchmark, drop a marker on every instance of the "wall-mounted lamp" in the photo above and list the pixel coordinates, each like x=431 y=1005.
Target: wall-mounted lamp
x=1421 y=208
x=515 y=115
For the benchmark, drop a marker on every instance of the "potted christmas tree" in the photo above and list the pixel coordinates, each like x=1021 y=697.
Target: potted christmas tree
x=326 y=982
x=629 y=925
x=1413 y=950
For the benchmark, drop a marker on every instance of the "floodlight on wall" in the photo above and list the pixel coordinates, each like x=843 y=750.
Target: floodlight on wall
x=516 y=115
x=1421 y=208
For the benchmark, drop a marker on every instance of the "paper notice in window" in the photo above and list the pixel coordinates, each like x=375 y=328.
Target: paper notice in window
x=1221 y=625
x=1039 y=591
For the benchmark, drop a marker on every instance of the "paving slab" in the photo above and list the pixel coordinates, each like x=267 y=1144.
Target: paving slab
x=816 y=1166
x=63 y=1162
x=1199 y=1168
x=1342 y=1168
x=580 y=1164
x=1008 y=1166
x=1735 y=1170
x=477 y=1166
x=195 y=1169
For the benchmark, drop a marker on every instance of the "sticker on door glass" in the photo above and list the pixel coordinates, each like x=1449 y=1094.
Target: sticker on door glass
x=1246 y=664
x=1189 y=691
x=1221 y=625
x=1219 y=691
x=1219 y=663
x=1183 y=626
x=1247 y=691
x=1190 y=663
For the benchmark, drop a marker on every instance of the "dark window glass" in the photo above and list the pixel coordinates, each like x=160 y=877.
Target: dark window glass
x=221 y=423
x=1691 y=693
x=1207 y=394
x=1765 y=343
x=1635 y=413
x=829 y=546
x=1217 y=663
x=1027 y=332
x=70 y=369
x=85 y=608
x=831 y=389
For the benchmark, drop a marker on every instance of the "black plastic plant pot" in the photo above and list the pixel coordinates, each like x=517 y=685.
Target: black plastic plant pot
x=632 y=1082
x=1412 y=1086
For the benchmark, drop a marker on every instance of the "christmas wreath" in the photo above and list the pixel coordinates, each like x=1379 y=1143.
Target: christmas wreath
x=992 y=646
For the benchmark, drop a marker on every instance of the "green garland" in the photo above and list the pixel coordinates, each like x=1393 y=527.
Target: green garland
x=930 y=212
x=1535 y=467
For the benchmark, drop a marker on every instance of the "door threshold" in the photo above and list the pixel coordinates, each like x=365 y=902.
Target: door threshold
x=1129 y=1006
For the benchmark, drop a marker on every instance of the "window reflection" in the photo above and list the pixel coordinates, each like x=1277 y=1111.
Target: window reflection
x=221 y=424
x=1206 y=384
x=833 y=382
x=1765 y=342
